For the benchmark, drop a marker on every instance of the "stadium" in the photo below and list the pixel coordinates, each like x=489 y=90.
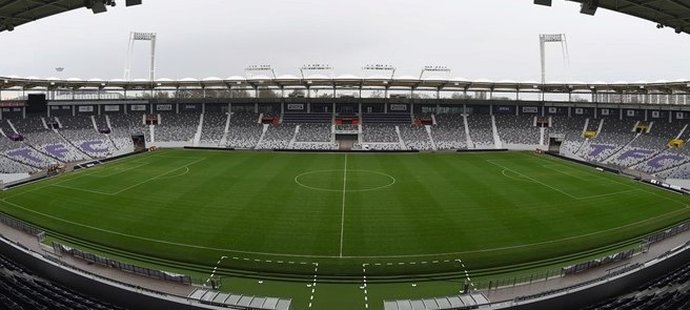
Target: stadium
x=325 y=191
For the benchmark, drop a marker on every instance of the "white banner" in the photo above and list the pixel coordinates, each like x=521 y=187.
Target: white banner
x=532 y=110
x=190 y=107
x=656 y=114
x=66 y=107
x=85 y=108
x=295 y=106
x=111 y=108
x=604 y=112
x=397 y=107
x=139 y=107
x=164 y=107
x=680 y=115
x=504 y=109
x=630 y=112
x=553 y=110
x=55 y=108
x=579 y=111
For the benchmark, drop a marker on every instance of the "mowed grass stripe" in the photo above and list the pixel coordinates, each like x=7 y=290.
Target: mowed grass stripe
x=440 y=205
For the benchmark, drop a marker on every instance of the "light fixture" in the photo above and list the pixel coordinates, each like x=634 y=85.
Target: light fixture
x=98 y=6
x=589 y=7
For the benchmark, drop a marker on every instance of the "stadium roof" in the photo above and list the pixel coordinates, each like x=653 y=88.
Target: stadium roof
x=351 y=82
x=669 y=13
x=18 y=12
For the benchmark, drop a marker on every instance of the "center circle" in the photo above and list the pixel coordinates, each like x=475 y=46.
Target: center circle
x=339 y=180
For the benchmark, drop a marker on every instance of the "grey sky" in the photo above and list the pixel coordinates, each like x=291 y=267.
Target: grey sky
x=492 y=39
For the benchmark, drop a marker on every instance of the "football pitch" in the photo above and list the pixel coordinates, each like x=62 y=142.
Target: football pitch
x=400 y=214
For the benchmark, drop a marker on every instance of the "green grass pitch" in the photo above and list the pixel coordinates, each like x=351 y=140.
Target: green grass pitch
x=401 y=214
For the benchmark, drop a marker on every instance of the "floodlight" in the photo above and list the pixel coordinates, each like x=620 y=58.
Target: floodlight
x=589 y=7
x=132 y=2
x=263 y=68
x=380 y=67
x=98 y=7
x=543 y=2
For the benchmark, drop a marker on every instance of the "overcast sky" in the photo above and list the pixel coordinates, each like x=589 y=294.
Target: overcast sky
x=478 y=39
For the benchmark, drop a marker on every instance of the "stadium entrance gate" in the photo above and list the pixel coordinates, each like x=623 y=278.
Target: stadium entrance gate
x=555 y=142
x=139 y=143
x=346 y=141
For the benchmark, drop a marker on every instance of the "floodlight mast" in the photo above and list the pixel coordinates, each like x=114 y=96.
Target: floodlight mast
x=141 y=36
x=552 y=38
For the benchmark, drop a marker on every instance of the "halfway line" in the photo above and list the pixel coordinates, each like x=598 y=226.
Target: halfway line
x=342 y=216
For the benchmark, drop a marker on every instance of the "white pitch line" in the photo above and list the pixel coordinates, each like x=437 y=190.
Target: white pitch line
x=193 y=246
x=342 y=216
x=364 y=286
x=313 y=285
x=533 y=180
x=158 y=176
x=215 y=269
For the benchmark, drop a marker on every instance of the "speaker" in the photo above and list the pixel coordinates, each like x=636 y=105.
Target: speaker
x=37 y=104
x=589 y=7
x=543 y=2
x=132 y=2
